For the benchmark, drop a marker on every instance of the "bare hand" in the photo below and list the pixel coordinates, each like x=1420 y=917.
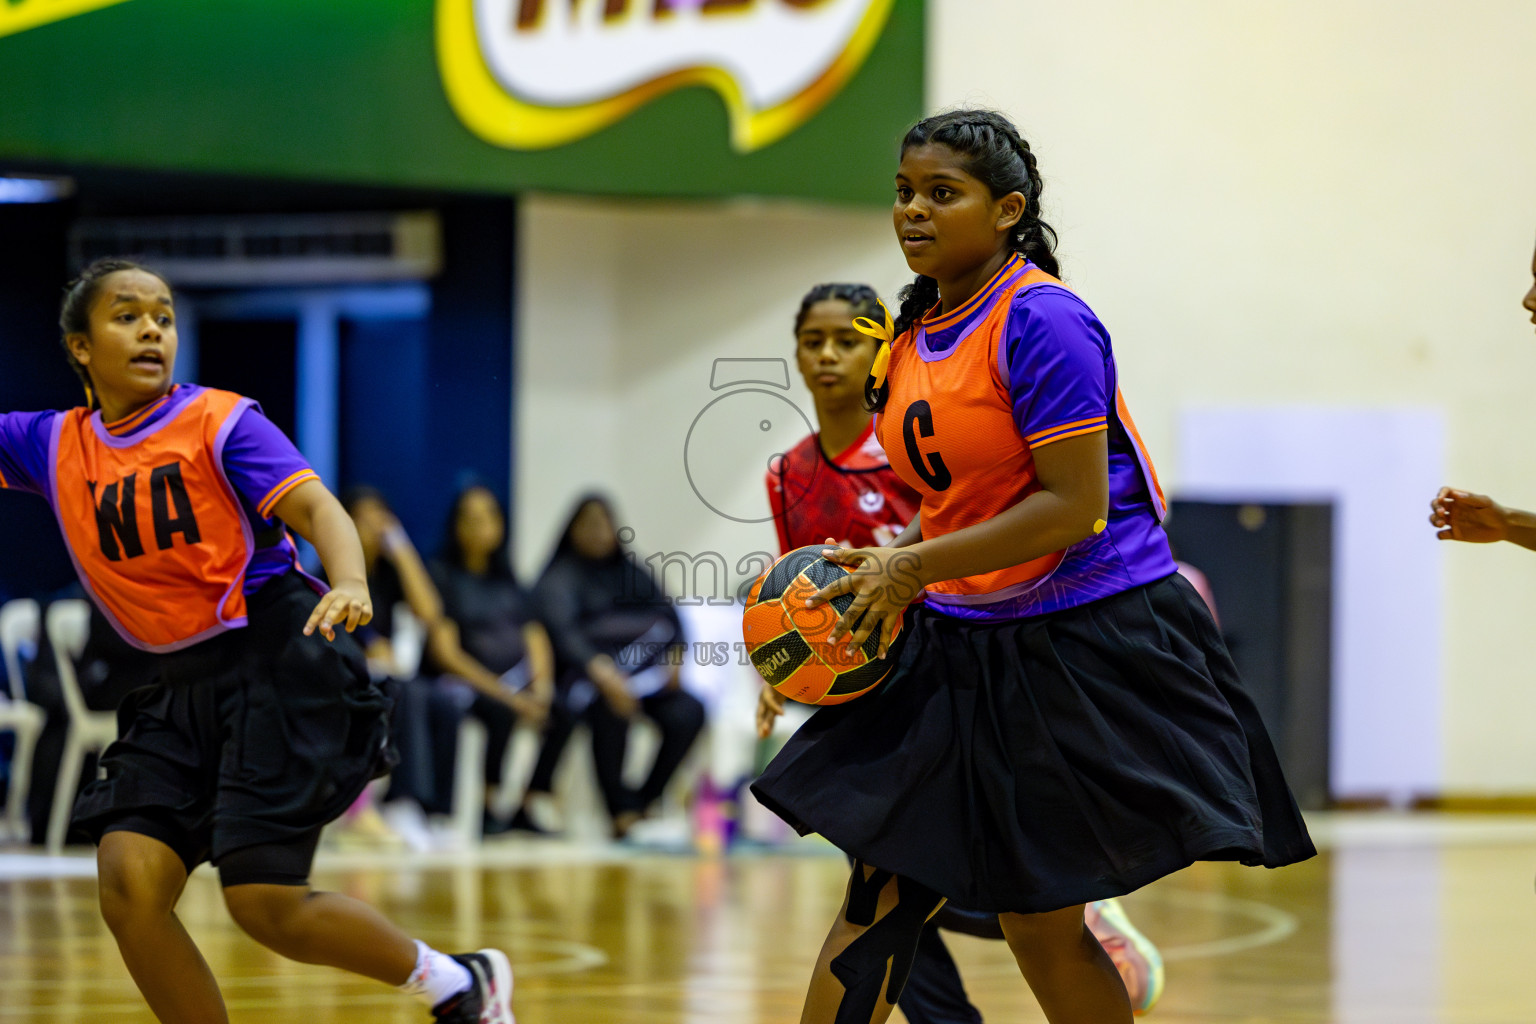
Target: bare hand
x=614 y=686
x=1464 y=516
x=883 y=581
x=770 y=705
x=347 y=604
x=530 y=706
x=620 y=701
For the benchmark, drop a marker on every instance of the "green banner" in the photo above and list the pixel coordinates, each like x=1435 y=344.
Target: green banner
x=625 y=97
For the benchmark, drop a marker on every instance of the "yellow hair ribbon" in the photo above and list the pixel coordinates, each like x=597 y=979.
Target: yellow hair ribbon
x=90 y=398
x=886 y=335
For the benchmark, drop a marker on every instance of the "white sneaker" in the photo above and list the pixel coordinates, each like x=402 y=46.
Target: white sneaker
x=409 y=822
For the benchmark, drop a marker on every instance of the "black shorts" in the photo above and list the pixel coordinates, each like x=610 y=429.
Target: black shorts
x=257 y=737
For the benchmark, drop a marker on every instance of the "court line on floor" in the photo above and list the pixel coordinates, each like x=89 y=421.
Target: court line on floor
x=1276 y=926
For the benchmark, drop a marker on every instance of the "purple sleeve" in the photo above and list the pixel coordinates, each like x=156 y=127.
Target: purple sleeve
x=1056 y=359
x=261 y=463
x=24 y=441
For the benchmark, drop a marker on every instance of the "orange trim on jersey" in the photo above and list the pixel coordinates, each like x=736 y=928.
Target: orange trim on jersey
x=2 y=479
x=938 y=323
x=127 y=423
x=277 y=493
x=1048 y=441
x=1143 y=456
x=1092 y=423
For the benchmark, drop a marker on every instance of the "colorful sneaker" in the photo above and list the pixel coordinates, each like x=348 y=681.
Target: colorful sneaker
x=1138 y=961
x=488 y=1000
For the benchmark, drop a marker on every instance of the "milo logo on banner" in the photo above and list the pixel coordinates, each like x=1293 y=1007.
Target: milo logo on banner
x=532 y=74
x=20 y=15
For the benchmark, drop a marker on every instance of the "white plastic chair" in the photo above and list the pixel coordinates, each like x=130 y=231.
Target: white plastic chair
x=69 y=626
x=468 y=811
x=20 y=623
x=409 y=642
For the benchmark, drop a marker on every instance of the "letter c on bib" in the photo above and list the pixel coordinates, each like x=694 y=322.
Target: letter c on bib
x=919 y=420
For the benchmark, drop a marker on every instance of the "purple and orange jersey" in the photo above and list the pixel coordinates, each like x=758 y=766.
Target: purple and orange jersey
x=973 y=393
x=846 y=498
x=167 y=513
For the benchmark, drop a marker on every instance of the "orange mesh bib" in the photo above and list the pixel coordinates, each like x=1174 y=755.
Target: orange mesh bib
x=154 y=528
x=948 y=430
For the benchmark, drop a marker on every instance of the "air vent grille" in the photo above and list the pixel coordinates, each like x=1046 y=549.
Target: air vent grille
x=282 y=249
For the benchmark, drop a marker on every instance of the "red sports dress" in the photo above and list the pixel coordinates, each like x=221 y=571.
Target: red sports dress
x=847 y=497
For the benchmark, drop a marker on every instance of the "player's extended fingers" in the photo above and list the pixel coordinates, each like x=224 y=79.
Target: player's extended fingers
x=873 y=622
x=1446 y=535
x=337 y=614
x=836 y=588
x=315 y=617
x=842 y=555
x=768 y=712
x=355 y=610
x=849 y=618
x=887 y=634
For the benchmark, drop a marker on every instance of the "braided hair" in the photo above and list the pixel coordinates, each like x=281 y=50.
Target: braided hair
x=75 y=311
x=993 y=152
x=864 y=300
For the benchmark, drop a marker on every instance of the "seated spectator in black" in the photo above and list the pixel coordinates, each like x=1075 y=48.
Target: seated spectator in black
x=619 y=647
x=425 y=719
x=489 y=636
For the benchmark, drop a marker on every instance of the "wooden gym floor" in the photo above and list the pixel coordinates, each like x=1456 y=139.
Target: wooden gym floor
x=1402 y=920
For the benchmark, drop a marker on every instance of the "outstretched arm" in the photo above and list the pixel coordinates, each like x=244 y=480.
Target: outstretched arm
x=1478 y=519
x=24 y=443
x=314 y=514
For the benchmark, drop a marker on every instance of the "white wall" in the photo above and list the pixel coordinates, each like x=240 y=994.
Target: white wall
x=1321 y=201
x=625 y=308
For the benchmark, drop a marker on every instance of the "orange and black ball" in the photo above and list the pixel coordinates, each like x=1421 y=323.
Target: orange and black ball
x=787 y=641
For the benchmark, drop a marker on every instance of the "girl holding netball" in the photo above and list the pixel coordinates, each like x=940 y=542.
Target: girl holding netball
x=262 y=724
x=838 y=483
x=1063 y=723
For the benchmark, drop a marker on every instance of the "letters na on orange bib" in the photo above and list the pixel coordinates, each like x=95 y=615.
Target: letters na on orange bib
x=167 y=513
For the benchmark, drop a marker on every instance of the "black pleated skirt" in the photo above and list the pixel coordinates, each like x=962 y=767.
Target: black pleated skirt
x=258 y=735
x=1034 y=764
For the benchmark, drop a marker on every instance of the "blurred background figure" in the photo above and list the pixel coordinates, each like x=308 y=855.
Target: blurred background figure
x=489 y=648
x=1477 y=518
x=619 y=645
